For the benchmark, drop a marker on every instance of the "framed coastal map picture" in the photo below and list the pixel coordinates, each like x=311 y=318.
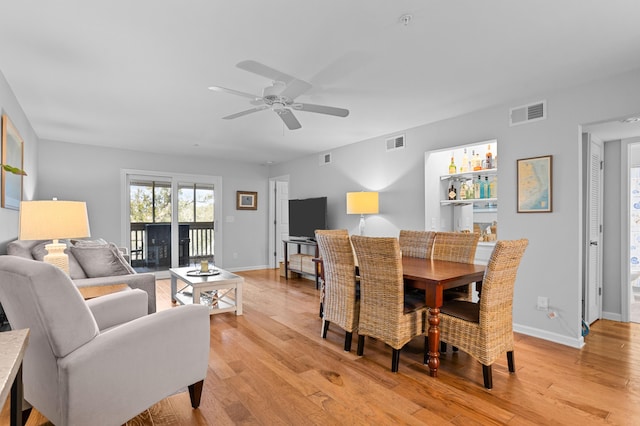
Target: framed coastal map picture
x=535 y=185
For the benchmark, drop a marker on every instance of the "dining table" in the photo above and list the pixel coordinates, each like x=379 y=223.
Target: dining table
x=435 y=276
x=432 y=276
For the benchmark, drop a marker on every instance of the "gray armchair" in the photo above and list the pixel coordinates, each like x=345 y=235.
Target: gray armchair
x=104 y=361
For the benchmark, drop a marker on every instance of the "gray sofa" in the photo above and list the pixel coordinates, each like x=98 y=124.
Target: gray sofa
x=93 y=264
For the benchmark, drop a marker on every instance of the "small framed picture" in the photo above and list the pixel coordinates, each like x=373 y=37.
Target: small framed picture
x=535 y=185
x=246 y=200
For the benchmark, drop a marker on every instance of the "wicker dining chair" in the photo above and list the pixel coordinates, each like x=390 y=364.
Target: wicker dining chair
x=385 y=311
x=341 y=306
x=456 y=247
x=485 y=329
x=416 y=243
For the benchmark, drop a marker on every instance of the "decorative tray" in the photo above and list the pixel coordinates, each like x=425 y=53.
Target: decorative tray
x=199 y=273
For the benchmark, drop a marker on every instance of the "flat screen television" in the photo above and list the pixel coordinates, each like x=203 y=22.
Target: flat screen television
x=305 y=216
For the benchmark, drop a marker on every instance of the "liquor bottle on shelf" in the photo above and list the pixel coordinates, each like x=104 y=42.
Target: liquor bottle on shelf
x=452 y=193
x=452 y=166
x=493 y=188
x=476 y=187
x=485 y=184
x=476 y=162
x=464 y=190
x=464 y=166
x=489 y=158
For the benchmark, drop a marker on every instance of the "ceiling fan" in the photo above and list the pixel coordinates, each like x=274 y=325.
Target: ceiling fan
x=279 y=97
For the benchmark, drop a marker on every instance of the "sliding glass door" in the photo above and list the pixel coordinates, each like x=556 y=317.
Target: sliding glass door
x=195 y=217
x=169 y=220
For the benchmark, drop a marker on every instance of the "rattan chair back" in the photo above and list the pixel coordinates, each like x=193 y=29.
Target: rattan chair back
x=340 y=305
x=455 y=246
x=416 y=243
x=382 y=313
x=492 y=335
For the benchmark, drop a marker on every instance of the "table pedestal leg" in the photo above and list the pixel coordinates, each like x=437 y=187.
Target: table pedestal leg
x=434 y=341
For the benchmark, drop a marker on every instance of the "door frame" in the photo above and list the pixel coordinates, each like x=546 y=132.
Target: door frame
x=175 y=178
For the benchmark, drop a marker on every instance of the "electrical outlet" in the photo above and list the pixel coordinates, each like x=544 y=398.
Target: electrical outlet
x=543 y=303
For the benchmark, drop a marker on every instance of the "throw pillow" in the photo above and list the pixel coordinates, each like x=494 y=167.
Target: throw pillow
x=102 y=261
x=75 y=270
x=89 y=243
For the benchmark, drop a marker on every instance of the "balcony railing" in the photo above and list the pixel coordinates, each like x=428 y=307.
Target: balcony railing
x=197 y=245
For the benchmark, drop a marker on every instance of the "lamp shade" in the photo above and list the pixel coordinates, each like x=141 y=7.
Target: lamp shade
x=53 y=220
x=362 y=202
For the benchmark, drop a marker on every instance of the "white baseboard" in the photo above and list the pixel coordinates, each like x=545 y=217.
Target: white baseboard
x=613 y=316
x=547 y=335
x=247 y=268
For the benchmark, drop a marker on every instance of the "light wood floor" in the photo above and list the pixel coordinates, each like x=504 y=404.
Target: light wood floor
x=271 y=367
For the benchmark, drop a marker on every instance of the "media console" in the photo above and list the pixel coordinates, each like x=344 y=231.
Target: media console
x=300 y=262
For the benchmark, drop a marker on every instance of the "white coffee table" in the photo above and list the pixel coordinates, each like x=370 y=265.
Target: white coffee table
x=221 y=292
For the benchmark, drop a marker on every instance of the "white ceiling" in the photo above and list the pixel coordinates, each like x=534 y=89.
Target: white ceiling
x=134 y=74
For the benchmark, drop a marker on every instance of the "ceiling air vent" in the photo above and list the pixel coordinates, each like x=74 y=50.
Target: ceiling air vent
x=528 y=113
x=325 y=158
x=396 y=142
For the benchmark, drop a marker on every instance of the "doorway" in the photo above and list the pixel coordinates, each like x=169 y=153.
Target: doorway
x=278 y=218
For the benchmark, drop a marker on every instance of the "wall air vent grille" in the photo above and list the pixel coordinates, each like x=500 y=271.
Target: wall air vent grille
x=528 y=113
x=396 y=142
x=325 y=158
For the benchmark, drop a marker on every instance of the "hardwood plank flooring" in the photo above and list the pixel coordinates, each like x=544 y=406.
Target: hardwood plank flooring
x=271 y=367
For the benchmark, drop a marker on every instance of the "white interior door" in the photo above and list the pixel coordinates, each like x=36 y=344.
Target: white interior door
x=593 y=290
x=279 y=218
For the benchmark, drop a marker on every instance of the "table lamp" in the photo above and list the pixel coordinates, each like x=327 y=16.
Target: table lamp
x=54 y=220
x=362 y=203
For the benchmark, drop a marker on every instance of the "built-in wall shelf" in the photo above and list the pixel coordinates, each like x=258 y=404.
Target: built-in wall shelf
x=469 y=175
x=470 y=201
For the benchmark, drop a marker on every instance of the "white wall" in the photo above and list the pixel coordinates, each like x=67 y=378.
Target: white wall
x=10 y=106
x=552 y=264
x=92 y=174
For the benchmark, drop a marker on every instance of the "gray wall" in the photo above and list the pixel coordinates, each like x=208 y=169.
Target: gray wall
x=552 y=264
x=92 y=174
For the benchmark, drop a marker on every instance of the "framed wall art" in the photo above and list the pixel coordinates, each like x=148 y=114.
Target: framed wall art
x=12 y=155
x=246 y=200
x=535 y=184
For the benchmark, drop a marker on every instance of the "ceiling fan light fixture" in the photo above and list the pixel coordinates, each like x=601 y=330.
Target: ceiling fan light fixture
x=279 y=96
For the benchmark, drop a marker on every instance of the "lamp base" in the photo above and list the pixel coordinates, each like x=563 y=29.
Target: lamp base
x=361 y=225
x=56 y=255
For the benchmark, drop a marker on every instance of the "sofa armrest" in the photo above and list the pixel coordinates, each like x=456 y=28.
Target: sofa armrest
x=118 y=308
x=145 y=281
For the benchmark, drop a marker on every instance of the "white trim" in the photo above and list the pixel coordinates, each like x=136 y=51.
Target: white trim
x=247 y=268
x=547 y=335
x=613 y=316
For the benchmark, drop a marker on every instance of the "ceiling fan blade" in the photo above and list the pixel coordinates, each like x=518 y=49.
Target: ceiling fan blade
x=249 y=111
x=295 y=88
x=289 y=119
x=265 y=71
x=322 y=109
x=233 y=92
